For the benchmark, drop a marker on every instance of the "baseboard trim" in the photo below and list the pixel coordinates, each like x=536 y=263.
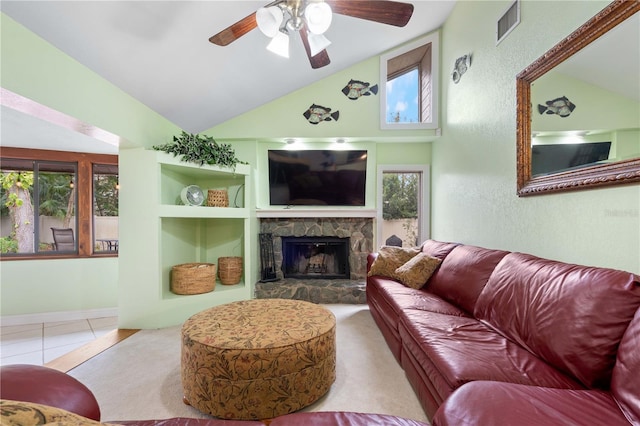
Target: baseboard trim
x=6 y=320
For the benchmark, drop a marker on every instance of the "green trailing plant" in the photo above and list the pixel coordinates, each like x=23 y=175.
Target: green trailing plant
x=201 y=149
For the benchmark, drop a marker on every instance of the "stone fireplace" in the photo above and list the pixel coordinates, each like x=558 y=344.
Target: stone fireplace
x=357 y=231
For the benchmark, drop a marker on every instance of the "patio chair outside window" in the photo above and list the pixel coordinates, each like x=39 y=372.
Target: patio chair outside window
x=63 y=239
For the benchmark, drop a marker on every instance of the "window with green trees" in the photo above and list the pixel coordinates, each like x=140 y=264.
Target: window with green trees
x=46 y=191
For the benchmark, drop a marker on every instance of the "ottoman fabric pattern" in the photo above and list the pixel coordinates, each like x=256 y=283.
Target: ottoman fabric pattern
x=258 y=359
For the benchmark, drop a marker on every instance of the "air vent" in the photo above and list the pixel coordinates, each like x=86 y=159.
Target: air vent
x=508 y=21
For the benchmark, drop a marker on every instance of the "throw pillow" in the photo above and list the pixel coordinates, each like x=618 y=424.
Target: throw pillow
x=417 y=271
x=390 y=258
x=32 y=414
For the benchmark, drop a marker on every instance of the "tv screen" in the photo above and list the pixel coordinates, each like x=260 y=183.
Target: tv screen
x=317 y=177
x=558 y=157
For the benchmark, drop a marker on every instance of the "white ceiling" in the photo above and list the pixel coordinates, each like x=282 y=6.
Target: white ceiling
x=612 y=61
x=159 y=51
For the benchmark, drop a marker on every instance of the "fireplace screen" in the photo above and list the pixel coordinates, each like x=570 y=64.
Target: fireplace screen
x=315 y=257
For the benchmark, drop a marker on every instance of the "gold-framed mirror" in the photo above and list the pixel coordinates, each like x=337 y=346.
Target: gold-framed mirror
x=621 y=165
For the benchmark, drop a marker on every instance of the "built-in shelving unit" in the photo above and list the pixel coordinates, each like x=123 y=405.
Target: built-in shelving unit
x=160 y=232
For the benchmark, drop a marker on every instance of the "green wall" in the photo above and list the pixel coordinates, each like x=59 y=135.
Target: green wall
x=36 y=70
x=474 y=169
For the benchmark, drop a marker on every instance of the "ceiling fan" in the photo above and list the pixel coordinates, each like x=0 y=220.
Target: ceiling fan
x=310 y=18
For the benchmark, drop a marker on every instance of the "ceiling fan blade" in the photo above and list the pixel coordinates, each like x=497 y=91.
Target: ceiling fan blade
x=386 y=12
x=319 y=60
x=240 y=28
x=235 y=31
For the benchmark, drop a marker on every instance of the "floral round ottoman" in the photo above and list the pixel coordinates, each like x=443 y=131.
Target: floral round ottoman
x=258 y=359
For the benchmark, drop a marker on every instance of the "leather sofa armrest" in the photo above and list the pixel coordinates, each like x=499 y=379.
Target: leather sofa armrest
x=43 y=385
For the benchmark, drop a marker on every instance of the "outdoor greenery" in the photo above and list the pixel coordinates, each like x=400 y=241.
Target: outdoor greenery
x=56 y=199
x=400 y=196
x=105 y=194
x=201 y=149
x=55 y=192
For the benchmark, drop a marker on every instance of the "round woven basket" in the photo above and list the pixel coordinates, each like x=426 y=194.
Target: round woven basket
x=193 y=278
x=217 y=198
x=230 y=270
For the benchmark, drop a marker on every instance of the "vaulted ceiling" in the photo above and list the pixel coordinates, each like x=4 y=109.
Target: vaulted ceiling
x=159 y=51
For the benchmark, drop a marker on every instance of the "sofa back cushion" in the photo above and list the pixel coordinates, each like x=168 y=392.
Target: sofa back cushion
x=625 y=383
x=463 y=274
x=437 y=249
x=571 y=316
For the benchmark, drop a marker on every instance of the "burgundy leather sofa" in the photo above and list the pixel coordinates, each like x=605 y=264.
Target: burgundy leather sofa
x=46 y=386
x=502 y=338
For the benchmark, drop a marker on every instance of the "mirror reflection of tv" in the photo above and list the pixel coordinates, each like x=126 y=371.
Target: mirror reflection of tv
x=317 y=177
x=553 y=158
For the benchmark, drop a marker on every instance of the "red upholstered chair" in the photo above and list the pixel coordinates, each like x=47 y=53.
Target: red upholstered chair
x=43 y=385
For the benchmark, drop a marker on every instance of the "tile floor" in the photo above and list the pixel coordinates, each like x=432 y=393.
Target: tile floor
x=41 y=343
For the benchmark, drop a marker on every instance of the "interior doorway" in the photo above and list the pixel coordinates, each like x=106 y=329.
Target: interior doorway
x=403 y=205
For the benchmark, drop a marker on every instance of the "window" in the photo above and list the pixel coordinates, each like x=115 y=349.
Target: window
x=105 y=207
x=403 y=205
x=46 y=206
x=410 y=73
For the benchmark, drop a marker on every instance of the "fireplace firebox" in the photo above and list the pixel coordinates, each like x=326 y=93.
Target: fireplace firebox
x=315 y=257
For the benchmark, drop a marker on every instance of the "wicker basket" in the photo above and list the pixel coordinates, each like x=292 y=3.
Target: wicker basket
x=230 y=270
x=193 y=278
x=217 y=198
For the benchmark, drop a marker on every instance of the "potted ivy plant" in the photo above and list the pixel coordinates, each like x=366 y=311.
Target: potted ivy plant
x=201 y=149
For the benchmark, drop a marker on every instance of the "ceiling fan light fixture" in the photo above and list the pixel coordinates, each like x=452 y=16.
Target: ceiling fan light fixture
x=269 y=20
x=280 y=44
x=318 y=17
x=317 y=43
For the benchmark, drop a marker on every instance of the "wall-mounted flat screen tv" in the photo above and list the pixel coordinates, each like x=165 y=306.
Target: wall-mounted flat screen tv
x=317 y=177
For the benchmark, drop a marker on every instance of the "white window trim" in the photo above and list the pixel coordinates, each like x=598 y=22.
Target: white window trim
x=434 y=39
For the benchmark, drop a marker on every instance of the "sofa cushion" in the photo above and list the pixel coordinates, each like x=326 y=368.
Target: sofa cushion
x=437 y=249
x=571 y=316
x=625 y=383
x=464 y=273
x=415 y=272
x=395 y=298
x=493 y=403
x=389 y=259
x=450 y=351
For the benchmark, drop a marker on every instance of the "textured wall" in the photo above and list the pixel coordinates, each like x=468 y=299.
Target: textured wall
x=474 y=163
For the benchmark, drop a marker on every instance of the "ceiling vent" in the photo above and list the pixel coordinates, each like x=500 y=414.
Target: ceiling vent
x=508 y=21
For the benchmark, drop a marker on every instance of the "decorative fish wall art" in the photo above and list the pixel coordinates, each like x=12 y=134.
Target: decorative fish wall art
x=559 y=106
x=461 y=66
x=317 y=113
x=356 y=88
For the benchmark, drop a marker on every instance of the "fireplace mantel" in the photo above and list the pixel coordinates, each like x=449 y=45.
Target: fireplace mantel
x=298 y=212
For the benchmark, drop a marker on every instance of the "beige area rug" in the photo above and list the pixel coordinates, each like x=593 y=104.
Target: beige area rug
x=139 y=378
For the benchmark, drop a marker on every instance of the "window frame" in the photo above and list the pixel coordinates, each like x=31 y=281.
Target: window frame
x=84 y=202
x=434 y=93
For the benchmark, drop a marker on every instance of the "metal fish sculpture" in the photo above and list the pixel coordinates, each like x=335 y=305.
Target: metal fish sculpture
x=462 y=65
x=559 y=106
x=356 y=88
x=317 y=113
